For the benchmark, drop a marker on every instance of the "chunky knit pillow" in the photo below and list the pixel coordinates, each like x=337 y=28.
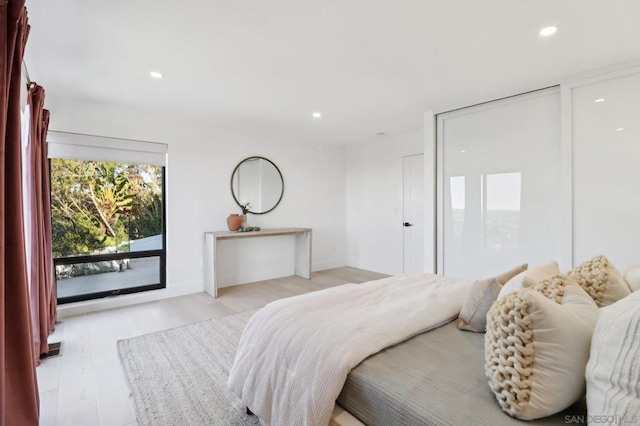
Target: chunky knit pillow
x=537 y=347
x=601 y=280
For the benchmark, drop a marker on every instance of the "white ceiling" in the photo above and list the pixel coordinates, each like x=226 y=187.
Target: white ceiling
x=369 y=66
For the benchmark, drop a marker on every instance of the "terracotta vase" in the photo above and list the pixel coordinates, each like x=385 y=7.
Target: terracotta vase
x=234 y=222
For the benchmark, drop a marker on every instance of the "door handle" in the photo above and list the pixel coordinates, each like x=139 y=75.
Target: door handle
x=407 y=224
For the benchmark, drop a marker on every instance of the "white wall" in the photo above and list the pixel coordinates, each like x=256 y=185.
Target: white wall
x=200 y=162
x=374 y=201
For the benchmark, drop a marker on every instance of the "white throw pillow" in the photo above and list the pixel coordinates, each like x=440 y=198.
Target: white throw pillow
x=504 y=277
x=632 y=277
x=537 y=347
x=538 y=274
x=613 y=372
x=473 y=315
x=601 y=280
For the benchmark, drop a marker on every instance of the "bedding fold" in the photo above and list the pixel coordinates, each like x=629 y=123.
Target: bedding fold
x=295 y=353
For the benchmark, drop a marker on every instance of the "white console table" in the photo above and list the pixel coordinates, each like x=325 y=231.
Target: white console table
x=212 y=239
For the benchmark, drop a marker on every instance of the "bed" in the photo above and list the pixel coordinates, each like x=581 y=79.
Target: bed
x=295 y=354
x=415 y=382
x=388 y=352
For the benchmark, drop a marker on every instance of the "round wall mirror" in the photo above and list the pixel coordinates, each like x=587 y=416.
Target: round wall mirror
x=257 y=181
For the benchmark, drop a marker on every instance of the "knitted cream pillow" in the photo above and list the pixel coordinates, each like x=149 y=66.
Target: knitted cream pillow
x=537 y=347
x=473 y=315
x=538 y=274
x=601 y=280
x=613 y=372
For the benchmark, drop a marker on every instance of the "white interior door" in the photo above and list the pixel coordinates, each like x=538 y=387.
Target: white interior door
x=413 y=213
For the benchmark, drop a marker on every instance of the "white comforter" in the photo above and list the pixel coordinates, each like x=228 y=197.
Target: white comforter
x=295 y=354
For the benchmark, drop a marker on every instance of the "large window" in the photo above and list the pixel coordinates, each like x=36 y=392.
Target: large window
x=108 y=227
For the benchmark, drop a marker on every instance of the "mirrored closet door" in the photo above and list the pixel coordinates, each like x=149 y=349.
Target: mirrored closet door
x=499 y=198
x=606 y=169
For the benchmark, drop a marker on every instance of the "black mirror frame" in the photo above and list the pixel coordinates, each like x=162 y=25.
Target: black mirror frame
x=279 y=173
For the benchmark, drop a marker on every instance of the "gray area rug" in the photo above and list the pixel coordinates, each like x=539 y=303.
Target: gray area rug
x=179 y=376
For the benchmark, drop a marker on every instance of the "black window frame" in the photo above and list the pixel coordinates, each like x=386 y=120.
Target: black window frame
x=90 y=258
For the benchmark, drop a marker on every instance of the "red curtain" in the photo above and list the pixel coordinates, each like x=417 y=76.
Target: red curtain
x=42 y=288
x=19 y=404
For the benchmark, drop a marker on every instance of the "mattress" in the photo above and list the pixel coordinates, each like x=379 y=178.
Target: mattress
x=435 y=378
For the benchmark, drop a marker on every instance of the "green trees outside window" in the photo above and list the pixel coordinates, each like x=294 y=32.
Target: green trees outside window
x=101 y=206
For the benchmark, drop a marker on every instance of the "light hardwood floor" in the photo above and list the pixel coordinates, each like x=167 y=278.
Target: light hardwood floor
x=86 y=386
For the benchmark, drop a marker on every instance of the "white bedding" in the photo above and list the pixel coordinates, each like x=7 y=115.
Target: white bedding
x=295 y=353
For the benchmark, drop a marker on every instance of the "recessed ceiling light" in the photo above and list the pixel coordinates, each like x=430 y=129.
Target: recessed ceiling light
x=463 y=150
x=547 y=31
x=156 y=74
x=316 y=115
x=599 y=100
x=619 y=129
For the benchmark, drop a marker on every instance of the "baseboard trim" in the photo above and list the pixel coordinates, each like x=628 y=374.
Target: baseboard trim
x=246 y=277
x=329 y=264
